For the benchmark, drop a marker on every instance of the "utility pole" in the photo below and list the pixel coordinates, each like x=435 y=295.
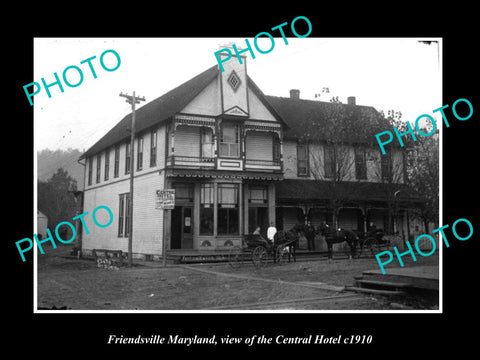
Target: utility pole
x=131 y=99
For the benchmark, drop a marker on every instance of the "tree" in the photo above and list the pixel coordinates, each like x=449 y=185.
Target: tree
x=334 y=132
x=55 y=198
x=390 y=168
x=423 y=175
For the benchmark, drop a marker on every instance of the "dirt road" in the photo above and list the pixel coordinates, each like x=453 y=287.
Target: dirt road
x=306 y=285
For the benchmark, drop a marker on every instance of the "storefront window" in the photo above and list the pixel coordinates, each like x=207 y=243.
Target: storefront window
x=228 y=209
x=206 y=209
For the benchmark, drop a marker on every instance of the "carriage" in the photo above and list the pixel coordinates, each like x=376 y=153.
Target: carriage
x=375 y=241
x=257 y=249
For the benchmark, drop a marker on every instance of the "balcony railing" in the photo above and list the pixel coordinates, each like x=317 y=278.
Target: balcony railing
x=211 y=163
x=190 y=161
x=262 y=162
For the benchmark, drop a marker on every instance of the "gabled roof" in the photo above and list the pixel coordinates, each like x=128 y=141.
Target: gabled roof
x=156 y=111
x=312 y=120
x=302 y=119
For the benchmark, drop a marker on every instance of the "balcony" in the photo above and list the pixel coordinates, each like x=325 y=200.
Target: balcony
x=263 y=165
x=222 y=163
x=191 y=162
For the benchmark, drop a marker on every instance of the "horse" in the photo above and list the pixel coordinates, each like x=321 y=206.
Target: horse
x=333 y=236
x=291 y=237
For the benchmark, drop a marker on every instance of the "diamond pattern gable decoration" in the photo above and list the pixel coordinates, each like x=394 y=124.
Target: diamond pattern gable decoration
x=234 y=80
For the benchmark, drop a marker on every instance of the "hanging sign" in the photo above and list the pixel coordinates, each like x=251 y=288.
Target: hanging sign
x=165 y=199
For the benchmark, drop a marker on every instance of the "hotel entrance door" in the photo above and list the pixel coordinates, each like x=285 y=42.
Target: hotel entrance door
x=182 y=228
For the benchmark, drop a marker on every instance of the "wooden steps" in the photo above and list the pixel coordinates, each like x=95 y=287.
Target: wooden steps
x=378 y=287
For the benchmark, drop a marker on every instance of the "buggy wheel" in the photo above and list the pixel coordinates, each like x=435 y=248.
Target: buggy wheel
x=281 y=253
x=235 y=257
x=259 y=257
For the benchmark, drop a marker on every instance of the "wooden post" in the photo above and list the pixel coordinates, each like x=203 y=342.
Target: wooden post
x=131 y=100
x=166 y=216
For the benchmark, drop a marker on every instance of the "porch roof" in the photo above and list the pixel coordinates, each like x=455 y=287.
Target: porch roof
x=291 y=190
x=208 y=173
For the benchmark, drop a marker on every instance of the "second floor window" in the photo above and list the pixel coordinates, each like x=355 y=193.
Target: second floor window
x=107 y=164
x=276 y=148
x=329 y=162
x=99 y=165
x=360 y=164
x=153 y=148
x=207 y=142
x=386 y=167
x=229 y=140
x=302 y=159
x=127 y=158
x=116 y=163
x=90 y=167
x=140 y=153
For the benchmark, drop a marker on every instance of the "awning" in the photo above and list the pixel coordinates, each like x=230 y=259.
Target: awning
x=222 y=174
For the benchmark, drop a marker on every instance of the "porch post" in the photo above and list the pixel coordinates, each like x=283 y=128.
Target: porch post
x=245 y=208
x=271 y=203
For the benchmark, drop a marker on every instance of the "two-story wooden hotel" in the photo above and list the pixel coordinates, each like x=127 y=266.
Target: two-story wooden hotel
x=236 y=160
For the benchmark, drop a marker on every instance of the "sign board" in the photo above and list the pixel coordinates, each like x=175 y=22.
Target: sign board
x=165 y=199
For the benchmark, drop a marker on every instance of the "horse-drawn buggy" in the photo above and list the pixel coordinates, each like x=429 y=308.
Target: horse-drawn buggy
x=257 y=249
x=375 y=241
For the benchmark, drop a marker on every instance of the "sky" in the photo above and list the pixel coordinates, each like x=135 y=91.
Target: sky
x=402 y=74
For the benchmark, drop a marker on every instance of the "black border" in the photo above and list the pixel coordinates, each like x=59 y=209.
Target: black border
x=86 y=334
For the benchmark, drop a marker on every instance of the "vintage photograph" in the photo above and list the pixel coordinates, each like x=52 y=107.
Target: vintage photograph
x=168 y=183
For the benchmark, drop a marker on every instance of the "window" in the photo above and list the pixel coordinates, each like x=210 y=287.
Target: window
x=153 y=148
x=206 y=209
x=229 y=140
x=140 y=153
x=116 y=163
x=124 y=215
x=228 y=209
x=90 y=170
x=257 y=195
x=107 y=164
x=302 y=159
x=360 y=164
x=207 y=142
x=329 y=161
x=99 y=164
x=183 y=193
x=127 y=158
x=276 y=148
x=386 y=165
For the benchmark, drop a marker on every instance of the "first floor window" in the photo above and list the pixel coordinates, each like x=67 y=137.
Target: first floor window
x=124 y=215
x=228 y=209
x=206 y=209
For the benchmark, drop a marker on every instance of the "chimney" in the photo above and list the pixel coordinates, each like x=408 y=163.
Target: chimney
x=351 y=100
x=295 y=94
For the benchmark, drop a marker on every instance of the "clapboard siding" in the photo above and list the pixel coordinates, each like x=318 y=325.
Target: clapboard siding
x=259 y=145
x=187 y=141
x=147 y=221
